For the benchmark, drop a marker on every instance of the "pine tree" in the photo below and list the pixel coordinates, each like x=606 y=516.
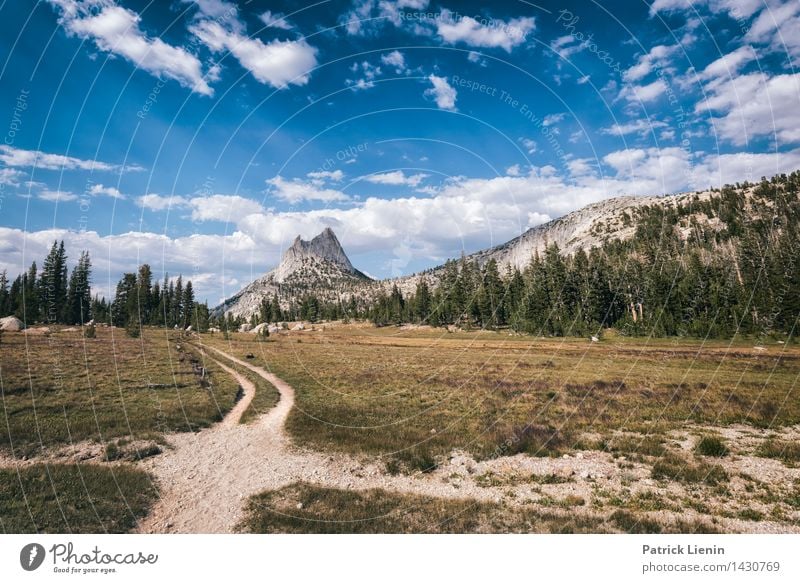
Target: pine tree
x=79 y=293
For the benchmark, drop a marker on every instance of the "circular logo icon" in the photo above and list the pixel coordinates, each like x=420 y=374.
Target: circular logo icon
x=31 y=556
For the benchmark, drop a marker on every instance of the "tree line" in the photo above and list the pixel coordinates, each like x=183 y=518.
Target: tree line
x=50 y=296
x=706 y=268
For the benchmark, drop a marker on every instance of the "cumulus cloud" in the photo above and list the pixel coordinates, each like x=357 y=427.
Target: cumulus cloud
x=396 y=178
x=100 y=190
x=487 y=33
x=530 y=146
x=755 y=105
x=296 y=190
x=657 y=57
x=397 y=60
x=442 y=92
x=16 y=157
x=222 y=207
x=275 y=20
x=116 y=30
x=369 y=15
x=639 y=126
x=319 y=177
x=278 y=63
x=156 y=202
x=463 y=213
x=368 y=72
x=730 y=64
x=10 y=176
x=644 y=93
x=56 y=196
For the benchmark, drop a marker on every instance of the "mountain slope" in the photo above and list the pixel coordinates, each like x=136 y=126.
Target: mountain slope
x=321 y=267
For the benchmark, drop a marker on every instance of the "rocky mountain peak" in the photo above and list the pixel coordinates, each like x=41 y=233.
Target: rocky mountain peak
x=324 y=248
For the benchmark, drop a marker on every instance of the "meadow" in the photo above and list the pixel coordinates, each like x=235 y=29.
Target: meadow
x=61 y=388
x=417 y=394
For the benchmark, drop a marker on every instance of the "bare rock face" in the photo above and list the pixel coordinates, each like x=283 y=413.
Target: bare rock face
x=319 y=266
x=325 y=247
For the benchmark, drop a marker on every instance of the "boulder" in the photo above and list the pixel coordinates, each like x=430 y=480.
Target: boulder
x=11 y=324
x=259 y=328
x=273 y=329
x=244 y=327
x=298 y=327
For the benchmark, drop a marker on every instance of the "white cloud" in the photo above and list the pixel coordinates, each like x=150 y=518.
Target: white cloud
x=736 y=8
x=529 y=144
x=465 y=213
x=296 y=190
x=10 y=177
x=57 y=196
x=730 y=64
x=275 y=20
x=156 y=202
x=444 y=95
x=369 y=72
x=487 y=33
x=319 y=177
x=553 y=118
x=778 y=29
x=116 y=30
x=639 y=126
x=277 y=63
x=644 y=93
x=370 y=15
x=754 y=105
x=396 y=178
x=657 y=57
x=100 y=190
x=222 y=207
x=513 y=170
x=397 y=60
x=16 y=157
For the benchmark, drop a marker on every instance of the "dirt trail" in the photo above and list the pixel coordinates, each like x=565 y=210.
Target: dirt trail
x=208 y=476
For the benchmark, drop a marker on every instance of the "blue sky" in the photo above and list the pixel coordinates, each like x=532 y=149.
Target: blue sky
x=202 y=137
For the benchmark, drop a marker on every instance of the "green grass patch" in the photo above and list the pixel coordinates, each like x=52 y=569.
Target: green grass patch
x=711 y=446
x=74 y=499
x=304 y=508
x=786 y=451
x=675 y=467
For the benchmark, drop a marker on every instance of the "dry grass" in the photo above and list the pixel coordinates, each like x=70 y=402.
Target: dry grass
x=62 y=388
x=306 y=508
x=383 y=391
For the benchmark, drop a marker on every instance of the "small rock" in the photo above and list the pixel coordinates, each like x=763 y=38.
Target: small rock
x=565 y=456
x=299 y=505
x=579 y=455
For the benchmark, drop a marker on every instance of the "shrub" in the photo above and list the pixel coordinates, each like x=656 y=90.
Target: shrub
x=89 y=331
x=411 y=460
x=112 y=452
x=538 y=440
x=786 y=451
x=673 y=467
x=630 y=523
x=712 y=446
